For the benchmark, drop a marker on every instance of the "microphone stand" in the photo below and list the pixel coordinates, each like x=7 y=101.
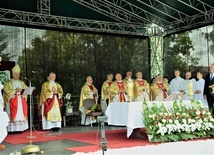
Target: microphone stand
x=31 y=121
x=103 y=142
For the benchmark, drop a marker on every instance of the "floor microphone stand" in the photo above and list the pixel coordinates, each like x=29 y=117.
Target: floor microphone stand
x=31 y=117
x=103 y=143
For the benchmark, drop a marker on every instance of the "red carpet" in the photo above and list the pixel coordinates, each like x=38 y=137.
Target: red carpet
x=21 y=138
x=115 y=139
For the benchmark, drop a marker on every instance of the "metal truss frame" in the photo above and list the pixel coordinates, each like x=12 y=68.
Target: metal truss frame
x=192 y=22
x=61 y=22
x=43 y=7
x=128 y=12
x=127 y=17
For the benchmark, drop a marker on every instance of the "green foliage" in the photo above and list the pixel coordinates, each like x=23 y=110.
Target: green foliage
x=180 y=122
x=3 y=46
x=74 y=56
x=177 y=53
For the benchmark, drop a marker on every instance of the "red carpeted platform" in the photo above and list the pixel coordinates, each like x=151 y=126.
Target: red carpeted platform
x=115 y=139
x=21 y=138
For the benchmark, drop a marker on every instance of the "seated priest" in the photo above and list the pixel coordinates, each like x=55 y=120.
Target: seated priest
x=118 y=90
x=158 y=90
x=50 y=103
x=141 y=88
x=89 y=94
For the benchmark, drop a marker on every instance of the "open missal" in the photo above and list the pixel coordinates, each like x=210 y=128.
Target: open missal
x=28 y=91
x=174 y=96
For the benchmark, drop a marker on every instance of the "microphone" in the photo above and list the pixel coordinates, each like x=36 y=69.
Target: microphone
x=34 y=72
x=27 y=79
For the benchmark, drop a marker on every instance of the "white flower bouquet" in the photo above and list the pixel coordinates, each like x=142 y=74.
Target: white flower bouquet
x=69 y=104
x=177 y=123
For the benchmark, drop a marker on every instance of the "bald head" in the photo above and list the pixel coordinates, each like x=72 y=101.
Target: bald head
x=118 y=77
x=110 y=77
x=89 y=79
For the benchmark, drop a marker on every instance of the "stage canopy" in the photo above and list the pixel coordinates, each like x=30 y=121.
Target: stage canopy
x=129 y=17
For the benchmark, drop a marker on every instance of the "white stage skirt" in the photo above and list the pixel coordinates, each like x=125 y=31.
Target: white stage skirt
x=201 y=147
x=3 y=125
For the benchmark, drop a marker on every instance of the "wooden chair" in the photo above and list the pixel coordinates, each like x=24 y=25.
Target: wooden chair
x=88 y=103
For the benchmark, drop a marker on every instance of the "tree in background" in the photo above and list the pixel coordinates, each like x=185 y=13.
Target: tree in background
x=73 y=56
x=3 y=46
x=177 y=54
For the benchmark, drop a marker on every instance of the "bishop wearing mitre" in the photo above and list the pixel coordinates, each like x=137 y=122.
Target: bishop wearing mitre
x=16 y=103
x=141 y=88
x=118 y=91
x=158 y=90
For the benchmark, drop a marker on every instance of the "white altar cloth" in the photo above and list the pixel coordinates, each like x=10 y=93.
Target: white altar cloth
x=130 y=114
x=3 y=125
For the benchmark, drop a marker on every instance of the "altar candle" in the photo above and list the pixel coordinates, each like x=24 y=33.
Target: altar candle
x=190 y=87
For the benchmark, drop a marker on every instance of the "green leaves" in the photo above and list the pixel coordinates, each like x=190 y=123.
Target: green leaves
x=182 y=122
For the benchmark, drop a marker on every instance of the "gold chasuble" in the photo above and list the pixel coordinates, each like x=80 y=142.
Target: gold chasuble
x=11 y=97
x=141 y=86
x=105 y=90
x=51 y=101
x=129 y=83
x=86 y=94
x=158 y=91
x=116 y=87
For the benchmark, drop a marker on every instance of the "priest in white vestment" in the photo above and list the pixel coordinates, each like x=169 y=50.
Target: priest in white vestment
x=199 y=89
x=1 y=98
x=188 y=87
x=176 y=83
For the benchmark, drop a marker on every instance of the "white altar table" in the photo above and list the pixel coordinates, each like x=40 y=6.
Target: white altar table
x=4 y=120
x=130 y=114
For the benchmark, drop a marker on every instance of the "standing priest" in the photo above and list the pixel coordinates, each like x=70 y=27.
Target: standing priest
x=118 y=90
x=50 y=102
x=141 y=88
x=15 y=102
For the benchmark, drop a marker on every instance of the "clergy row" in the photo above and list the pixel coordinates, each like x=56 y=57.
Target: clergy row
x=138 y=90
x=15 y=103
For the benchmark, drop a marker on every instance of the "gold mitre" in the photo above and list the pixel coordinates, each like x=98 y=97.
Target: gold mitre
x=16 y=69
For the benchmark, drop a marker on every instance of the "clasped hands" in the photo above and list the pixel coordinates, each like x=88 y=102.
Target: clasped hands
x=197 y=91
x=121 y=91
x=55 y=92
x=18 y=90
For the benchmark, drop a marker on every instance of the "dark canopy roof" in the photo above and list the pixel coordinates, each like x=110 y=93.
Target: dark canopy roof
x=131 y=17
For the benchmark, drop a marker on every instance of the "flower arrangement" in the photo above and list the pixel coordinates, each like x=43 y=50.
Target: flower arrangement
x=177 y=122
x=69 y=104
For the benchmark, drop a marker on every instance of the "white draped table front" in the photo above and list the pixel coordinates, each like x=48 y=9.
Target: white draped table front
x=130 y=114
x=4 y=120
